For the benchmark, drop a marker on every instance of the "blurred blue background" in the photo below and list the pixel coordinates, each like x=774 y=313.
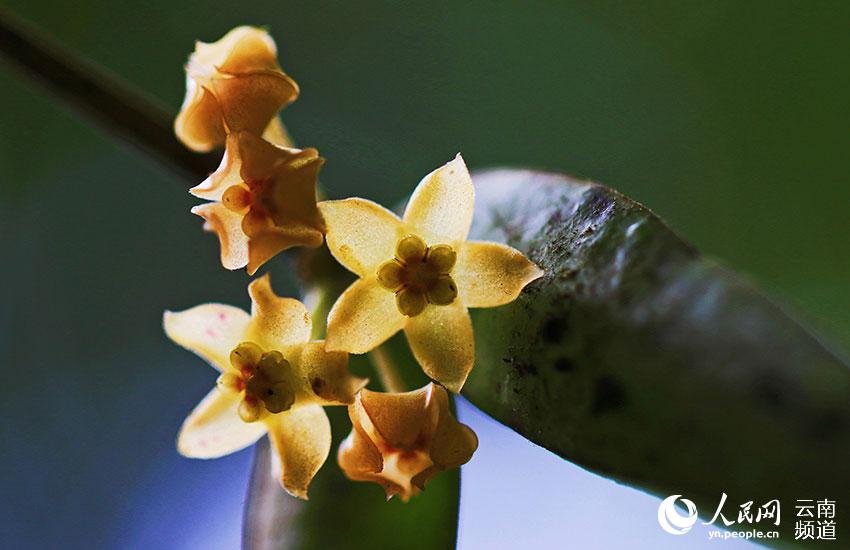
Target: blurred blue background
x=728 y=119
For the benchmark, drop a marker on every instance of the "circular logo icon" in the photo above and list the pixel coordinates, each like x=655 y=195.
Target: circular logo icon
x=671 y=521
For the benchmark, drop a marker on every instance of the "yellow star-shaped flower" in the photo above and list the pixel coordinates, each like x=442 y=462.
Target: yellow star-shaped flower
x=273 y=380
x=401 y=440
x=231 y=85
x=420 y=274
x=265 y=201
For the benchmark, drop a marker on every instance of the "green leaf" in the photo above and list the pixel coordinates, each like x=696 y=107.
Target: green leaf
x=641 y=360
x=343 y=513
x=634 y=357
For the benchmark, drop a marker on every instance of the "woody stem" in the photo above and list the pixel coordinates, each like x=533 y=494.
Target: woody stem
x=100 y=97
x=387 y=371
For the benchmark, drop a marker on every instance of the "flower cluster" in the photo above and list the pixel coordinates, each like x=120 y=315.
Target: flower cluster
x=417 y=273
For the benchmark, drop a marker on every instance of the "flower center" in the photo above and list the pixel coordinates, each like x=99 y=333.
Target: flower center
x=261 y=378
x=419 y=275
x=237 y=198
x=255 y=201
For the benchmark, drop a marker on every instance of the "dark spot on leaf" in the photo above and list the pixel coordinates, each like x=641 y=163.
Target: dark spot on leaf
x=827 y=425
x=608 y=395
x=525 y=368
x=554 y=329
x=770 y=391
x=564 y=364
x=317 y=384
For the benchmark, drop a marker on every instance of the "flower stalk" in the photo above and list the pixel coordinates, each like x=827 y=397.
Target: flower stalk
x=387 y=371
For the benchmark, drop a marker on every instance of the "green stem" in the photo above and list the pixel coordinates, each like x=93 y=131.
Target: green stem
x=100 y=97
x=387 y=371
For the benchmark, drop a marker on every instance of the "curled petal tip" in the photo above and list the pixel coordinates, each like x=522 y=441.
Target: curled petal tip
x=453 y=386
x=296 y=492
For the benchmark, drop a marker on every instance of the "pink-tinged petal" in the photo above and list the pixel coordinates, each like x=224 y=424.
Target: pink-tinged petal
x=214 y=428
x=227 y=225
x=442 y=341
x=209 y=330
x=492 y=274
x=363 y=317
x=440 y=209
x=276 y=322
x=301 y=441
x=361 y=234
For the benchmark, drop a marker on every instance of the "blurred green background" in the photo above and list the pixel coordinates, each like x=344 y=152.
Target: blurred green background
x=728 y=119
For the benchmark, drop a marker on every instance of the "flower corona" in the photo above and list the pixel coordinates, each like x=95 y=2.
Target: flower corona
x=273 y=380
x=263 y=201
x=420 y=274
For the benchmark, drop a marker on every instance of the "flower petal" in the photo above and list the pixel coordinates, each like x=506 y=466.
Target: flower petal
x=453 y=443
x=292 y=201
x=276 y=322
x=209 y=330
x=226 y=175
x=397 y=417
x=260 y=158
x=301 y=441
x=357 y=453
x=249 y=101
x=199 y=124
x=360 y=233
x=214 y=428
x=246 y=158
x=442 y=341
x=363 y=317
x=492 y=274
x=243 y=48
x=440 y=209
x=228 y=226
x=276 y=134
x=325 y=373
x=265 y=245
x=361 y=460
x=232 y=84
